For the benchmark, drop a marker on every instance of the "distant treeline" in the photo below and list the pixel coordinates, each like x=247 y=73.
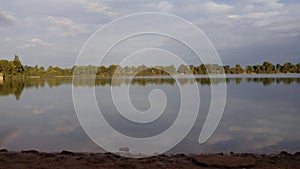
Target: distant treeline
x=16 y=68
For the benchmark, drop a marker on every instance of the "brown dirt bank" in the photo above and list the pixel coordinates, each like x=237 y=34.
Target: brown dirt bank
x=37 y=160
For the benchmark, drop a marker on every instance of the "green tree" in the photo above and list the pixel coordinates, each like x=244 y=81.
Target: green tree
x=183 y=69
x=239 y=69
x=4 y=66
x=278 y=68
x=268 y=67
x=111 y=70
x=227 y=69
x=286 y=68
x=18 y=65
x=249 y=69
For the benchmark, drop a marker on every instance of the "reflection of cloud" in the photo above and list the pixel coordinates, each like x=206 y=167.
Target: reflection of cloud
x=234 y=128
x=255 y=128
x=6 y=18
x=38 y=110
x=219 y=138
x=259 y=130
x=242 y=142
x=266 y=141
x=7 y=134
x=67 y=124
x=67 y=26
x=291 y=146
x=35 y=42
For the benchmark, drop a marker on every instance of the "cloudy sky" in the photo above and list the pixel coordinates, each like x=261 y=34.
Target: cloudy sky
x=247 y=32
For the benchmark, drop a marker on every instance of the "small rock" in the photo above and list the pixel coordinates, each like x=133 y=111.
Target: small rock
x=66 y=152
x=112 y=155
x=180 y=155
x=30 y=151
x=3 y=151
x=284 y=153
x=124 y=149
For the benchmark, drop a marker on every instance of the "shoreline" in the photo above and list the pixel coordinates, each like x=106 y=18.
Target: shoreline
x=278 y=75
x=66 y=159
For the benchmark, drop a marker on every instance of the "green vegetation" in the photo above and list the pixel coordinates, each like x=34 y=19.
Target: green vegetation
x=15 y=68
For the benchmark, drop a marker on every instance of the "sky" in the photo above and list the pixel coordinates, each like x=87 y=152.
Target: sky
x=243 y=32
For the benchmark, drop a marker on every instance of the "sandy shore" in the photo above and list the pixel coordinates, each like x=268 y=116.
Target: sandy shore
x=37 y=160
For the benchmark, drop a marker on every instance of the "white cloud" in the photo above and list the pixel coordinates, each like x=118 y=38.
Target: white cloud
x=261 y=15
x=269 y=3
x=256 y=15
x=35 y=42
x=234 y=16
x=216 y=7
x=264 y=15
x=6 y=18
x=231 y=25
x=100 y=7
x=65 y=25
x=165 y=6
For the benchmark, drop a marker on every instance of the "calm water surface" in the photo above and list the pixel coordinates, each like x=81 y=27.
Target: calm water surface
x=261 y=114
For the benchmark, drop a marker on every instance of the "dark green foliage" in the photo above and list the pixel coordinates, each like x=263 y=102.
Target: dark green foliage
x=15 y=68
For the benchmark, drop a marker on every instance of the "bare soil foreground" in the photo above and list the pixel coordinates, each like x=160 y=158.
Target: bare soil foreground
x=37 y=160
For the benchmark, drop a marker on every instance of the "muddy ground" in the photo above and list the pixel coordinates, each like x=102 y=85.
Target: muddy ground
x=37 y=160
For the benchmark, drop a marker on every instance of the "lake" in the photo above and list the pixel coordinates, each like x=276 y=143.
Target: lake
x=262 y=113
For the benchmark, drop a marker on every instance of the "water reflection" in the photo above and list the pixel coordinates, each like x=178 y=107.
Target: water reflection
x=15 y=87
x=261 y=114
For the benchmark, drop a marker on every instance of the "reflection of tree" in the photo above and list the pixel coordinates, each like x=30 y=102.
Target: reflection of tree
x=168 y=80
x=287 y=81
x=268 y=81
x=16 y=86
x=11 y=88
x=238 y=80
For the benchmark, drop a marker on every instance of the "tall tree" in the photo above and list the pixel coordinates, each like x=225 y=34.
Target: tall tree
x=18 y=65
